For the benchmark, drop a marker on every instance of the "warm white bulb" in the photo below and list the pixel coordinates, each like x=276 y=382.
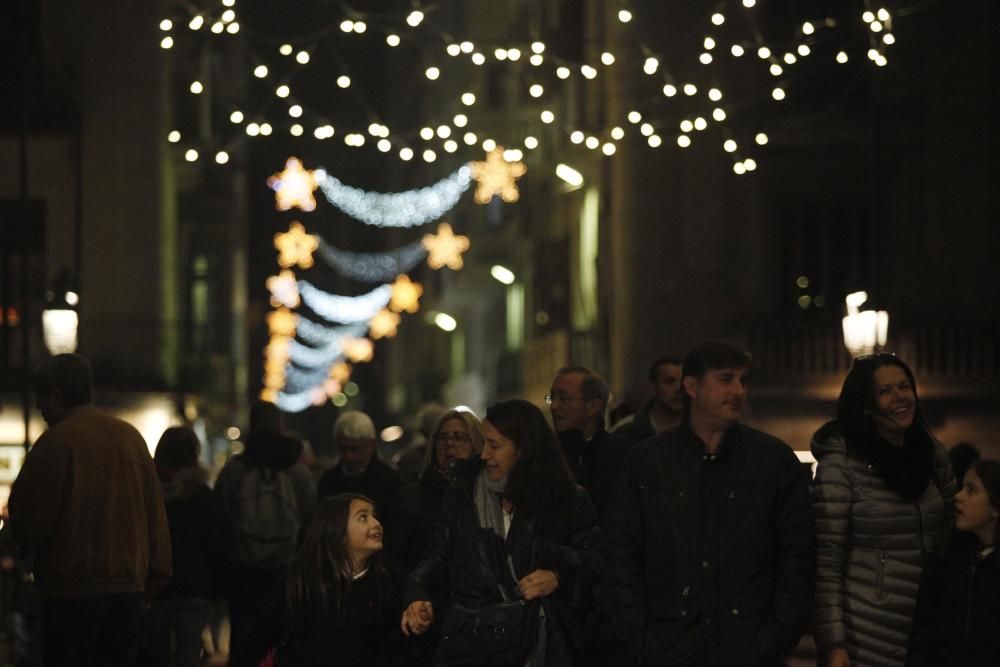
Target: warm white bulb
x=514 y=54
x=513 y=155
x=729 y=146
x=709 y=43
x=669 y=90
x=547 y=116
x=690 y=89
x=650 y=66
x=842 y=57
x=406 y=154
x=808 y=28
x=489 y=145
x=252 y=129
x=228 y=16
x=222 y=157
x=536 y=59
x=347 y=25
x=867 y=17
x=196 y=22
x=191 y=155
x=426 y=133
x=763 y=53
x=750 y=164
x=443 y=131
x=700 y=123
x=714 y=94
x=360 y=27
x=282 y=91
x=266 y=129
x=804 y=50
x=624 y=15
x=617 y=134
x=296 y=130
x=737 y=51
x=461 y=120
x=166 y=25
x=634 y=117
x=719 y=115
x=740 y=168
x=536 y=90
x=608 y=149
x=562 y=72
x=778 y=94
x=883 y=14
x=592 y=143
x=705 y=58
x=537 y=47
x=467 y=47
x=749 y=3
x=790 y=58
x=608 y=58
x=392 y=40
x=302 y=57
x=236 y=117
x=530 y=143
x=500 y=54
x=453 y=50
x=468 y=99
x=683 y=141
x=654 y=141
x=384 y=145
x=432 y=73
x=686 y=125
x=761 y=139
x=450 y=146
x=285 y=49
x=167 y=42
x=344 y=81
x=196 y=87
x=646 y=129
x=478 y=59
x=218 y=27
x=776 y=69
x=260 y=71
x=415 y=17
x=174 y=136
x=588 y=71
x=718 y=19
x=576 y=137
x=470 y=139
x=295 y=111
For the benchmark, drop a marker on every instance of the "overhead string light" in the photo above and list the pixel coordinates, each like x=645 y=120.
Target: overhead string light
x=372 y=267
x=320 y=335
x=344 y=309
x=400 y=209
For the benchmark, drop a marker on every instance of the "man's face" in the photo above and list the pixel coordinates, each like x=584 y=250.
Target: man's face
x=569 y=408
x=717 y=398
x=51 y=406
x=667 y=388
x=355 y=454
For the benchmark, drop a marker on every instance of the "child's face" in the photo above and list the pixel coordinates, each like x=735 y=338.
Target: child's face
x=364 y=532
x=973 y=512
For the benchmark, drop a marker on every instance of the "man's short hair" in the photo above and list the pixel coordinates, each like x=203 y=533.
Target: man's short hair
x=712 y=355
x=593 y=385
x=71 y=374
x=354 y=424
x=654 y=369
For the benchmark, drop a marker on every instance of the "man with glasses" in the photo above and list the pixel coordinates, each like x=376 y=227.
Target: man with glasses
x=577 y=401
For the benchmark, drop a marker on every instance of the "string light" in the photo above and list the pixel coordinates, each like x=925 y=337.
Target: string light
x=295 y=247
x=496 y=176
x=344 y=309
x=294 y=186
x=371 y=267
x=445 y=248
x=403 y=209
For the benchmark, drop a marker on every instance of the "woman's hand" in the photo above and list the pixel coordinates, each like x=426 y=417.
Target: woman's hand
x=538 y=584
x=417 y=618
x=838 y=657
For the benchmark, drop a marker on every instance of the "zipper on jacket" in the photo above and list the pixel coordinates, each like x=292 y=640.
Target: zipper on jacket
x=880 y=575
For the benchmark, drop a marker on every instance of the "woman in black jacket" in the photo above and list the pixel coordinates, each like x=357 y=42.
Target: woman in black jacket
x=174 y=621
x=957 y=621
x=514 y=527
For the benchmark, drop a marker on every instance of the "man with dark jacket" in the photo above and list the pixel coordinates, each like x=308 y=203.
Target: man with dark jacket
x=270 y=459
x=88 y=502
x=360 y=470
x=711 y=552
x=664 y=410
x=577 y=401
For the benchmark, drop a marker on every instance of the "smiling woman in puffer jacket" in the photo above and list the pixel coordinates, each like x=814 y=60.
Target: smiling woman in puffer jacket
x=881 y=497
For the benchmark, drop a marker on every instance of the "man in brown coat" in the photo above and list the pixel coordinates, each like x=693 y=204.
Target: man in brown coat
x=88 y=502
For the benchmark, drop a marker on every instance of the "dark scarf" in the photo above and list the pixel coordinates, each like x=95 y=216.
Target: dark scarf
x=907 y=470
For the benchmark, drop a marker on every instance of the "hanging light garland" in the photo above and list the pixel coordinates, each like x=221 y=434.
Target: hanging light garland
x=372 y=267
x=345 y=309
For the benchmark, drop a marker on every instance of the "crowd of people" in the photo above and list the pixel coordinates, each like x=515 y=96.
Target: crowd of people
x=681 y=536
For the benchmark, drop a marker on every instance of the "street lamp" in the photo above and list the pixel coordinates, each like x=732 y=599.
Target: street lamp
x=60 y=321
x=864 y=330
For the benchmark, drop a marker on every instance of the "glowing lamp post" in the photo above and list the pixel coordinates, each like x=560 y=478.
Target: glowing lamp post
x=864 y=330
x=60 y=322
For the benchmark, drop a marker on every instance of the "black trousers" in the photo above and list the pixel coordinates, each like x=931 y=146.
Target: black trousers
x=91 y=630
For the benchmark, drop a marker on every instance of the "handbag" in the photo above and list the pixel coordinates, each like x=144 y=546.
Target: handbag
x=498 y=633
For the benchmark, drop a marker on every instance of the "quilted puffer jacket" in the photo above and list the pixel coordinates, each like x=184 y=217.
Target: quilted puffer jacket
x=872 y=547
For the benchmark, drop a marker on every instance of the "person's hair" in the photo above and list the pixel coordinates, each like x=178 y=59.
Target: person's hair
x=654 y=369
x=178 y=448
x=428 y=417
x=711 y=355
x=962 y=456
x=321 y=575
x=354 y=424
x=857 y=396
x=593 y=385
x=472 y=424
x=988 y=471
x=70 y=374
x=540 y=485
x=265 y=417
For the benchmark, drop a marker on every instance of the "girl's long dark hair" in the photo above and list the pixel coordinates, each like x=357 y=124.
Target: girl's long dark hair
x=540 y=485
x=857 y=396
x=320 y=577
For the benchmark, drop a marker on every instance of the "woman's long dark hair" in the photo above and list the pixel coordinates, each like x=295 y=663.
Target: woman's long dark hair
x=540 y=485
x=906 y=470
x=321 y=575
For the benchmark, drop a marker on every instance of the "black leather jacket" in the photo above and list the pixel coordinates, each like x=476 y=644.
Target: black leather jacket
x=711 y=561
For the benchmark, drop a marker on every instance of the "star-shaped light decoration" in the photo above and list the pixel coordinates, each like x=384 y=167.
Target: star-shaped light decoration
x=269 y=395
x=384 y=324
x=331 y=387
x=496 y=176
x=274 y=379
x=294 y=187
x=444 y=248
x=295 y=247
x=340 y=372
x=359 y=350
x=405 y=295
x=284 y=289
x=277 y=349
x=282 y=322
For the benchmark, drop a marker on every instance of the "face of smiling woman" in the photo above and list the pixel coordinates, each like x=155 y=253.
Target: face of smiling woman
x=499 y=452
x=364 y=533
x=895 y=399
